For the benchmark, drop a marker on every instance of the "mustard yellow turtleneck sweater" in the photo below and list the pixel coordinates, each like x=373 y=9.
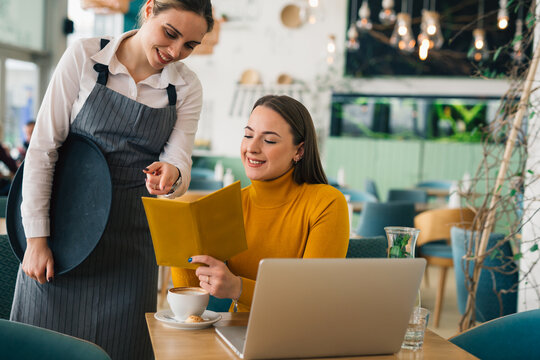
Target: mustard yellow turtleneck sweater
x=284 y=220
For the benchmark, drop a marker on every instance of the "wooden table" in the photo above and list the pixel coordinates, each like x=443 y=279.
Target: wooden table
x=169 y=343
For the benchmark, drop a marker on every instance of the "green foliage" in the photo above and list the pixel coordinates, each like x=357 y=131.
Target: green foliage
x=399 y=248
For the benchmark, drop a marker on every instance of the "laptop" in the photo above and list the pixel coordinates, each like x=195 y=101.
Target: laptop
x=327 y=307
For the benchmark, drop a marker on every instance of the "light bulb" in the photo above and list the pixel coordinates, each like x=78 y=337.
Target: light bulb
x=331 y=46
x=313 y=3
x=402 y=30
x=502 y=23
x=387 y=15
x=401 y=36
x=423 y=50
x=364 y=23
x=479 y=44
x=431 y=29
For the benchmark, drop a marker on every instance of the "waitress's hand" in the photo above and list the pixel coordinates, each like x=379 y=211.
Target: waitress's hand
x=216 y=278
x=160 y=177
x=38 y=262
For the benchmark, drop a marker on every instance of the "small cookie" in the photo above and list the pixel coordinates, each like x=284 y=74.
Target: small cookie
x=194 y=319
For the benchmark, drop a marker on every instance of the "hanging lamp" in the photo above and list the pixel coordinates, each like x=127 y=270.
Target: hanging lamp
x=518 y=54
x=502 y=15
x=387 y=15
x=364 y=22
x=352 y=32
x=479 y=49
x=430 y=28
x=402 y=36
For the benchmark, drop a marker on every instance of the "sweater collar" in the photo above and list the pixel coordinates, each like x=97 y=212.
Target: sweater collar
x=275 y=192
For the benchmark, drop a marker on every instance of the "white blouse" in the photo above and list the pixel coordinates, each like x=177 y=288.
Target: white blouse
x=71 y=84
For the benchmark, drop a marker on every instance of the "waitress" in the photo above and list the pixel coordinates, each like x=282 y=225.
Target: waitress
x=133 y=97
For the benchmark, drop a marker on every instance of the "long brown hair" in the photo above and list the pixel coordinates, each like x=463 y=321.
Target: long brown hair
x=199 y=7
x=309 y=169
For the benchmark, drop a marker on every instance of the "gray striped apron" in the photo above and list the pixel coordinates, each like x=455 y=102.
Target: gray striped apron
x=104 y=299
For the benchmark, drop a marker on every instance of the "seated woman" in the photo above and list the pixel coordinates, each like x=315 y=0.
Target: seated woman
x=290 y=211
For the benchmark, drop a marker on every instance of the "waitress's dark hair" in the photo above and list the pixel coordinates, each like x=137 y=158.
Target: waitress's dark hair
x=309 y=169
x=199 y=7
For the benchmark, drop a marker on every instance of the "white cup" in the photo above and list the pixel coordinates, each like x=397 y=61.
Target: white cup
x=186 y=301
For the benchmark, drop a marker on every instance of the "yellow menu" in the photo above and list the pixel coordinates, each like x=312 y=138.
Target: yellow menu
x=212 y=225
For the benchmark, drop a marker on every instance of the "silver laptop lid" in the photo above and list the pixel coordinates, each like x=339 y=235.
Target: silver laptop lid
x=331 y=307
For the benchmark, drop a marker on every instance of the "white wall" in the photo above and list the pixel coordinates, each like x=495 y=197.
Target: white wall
x=529 y=291
x=261 y=42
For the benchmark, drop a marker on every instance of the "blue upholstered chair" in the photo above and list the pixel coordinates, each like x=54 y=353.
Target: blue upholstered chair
x=357 y=195
x=198 y=173
x=434 y=184
x=375 y=216
x=407 y=195
x=9 y=265
x=433 y=244
x=371 y=187
x=487 y=302
x=368 y=247
x=3 y=205
x=205 y=184
x=509 y=337
x=27 y=342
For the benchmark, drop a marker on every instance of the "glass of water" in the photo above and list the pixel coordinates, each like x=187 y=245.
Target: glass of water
x=414 y=336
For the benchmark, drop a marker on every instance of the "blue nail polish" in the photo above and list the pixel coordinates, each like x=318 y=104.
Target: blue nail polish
x=189 y=260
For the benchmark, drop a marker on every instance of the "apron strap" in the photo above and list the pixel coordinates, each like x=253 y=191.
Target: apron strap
x=171 y=92
x=103 y=70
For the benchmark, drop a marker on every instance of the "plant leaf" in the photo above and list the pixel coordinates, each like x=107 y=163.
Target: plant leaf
x=518 y=256
x=534 y=247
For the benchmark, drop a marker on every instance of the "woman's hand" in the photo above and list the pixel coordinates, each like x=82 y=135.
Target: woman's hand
x=38 y=262
x=160 y=177
x=216 y=278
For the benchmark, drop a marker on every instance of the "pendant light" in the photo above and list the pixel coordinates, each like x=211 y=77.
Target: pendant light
x=402 y=35
x=502 y=15
x=518 y=54
x=364 y=22
x=478 y=51
x=331 y=49
x=352 y=32
x=387 y=15
x=430 y=29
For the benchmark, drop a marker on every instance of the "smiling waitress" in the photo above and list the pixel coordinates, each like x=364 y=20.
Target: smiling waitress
x=141 y=106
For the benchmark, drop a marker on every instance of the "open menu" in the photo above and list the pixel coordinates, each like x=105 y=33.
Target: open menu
x=212 y=225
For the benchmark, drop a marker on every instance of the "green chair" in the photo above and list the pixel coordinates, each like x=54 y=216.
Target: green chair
x=26 y=342
x=509 y=337
x=368 y=247
x=9 y=265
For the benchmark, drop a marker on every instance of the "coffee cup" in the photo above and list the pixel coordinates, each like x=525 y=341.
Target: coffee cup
x=186 y=301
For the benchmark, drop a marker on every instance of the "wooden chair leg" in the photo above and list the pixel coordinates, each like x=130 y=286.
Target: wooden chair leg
x=440 y=296
x=426 y=277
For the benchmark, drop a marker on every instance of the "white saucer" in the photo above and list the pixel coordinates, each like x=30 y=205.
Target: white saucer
x=167 y=318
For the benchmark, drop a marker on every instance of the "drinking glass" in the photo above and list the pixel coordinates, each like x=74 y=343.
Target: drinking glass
x=401 y=241
x=414 y=336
